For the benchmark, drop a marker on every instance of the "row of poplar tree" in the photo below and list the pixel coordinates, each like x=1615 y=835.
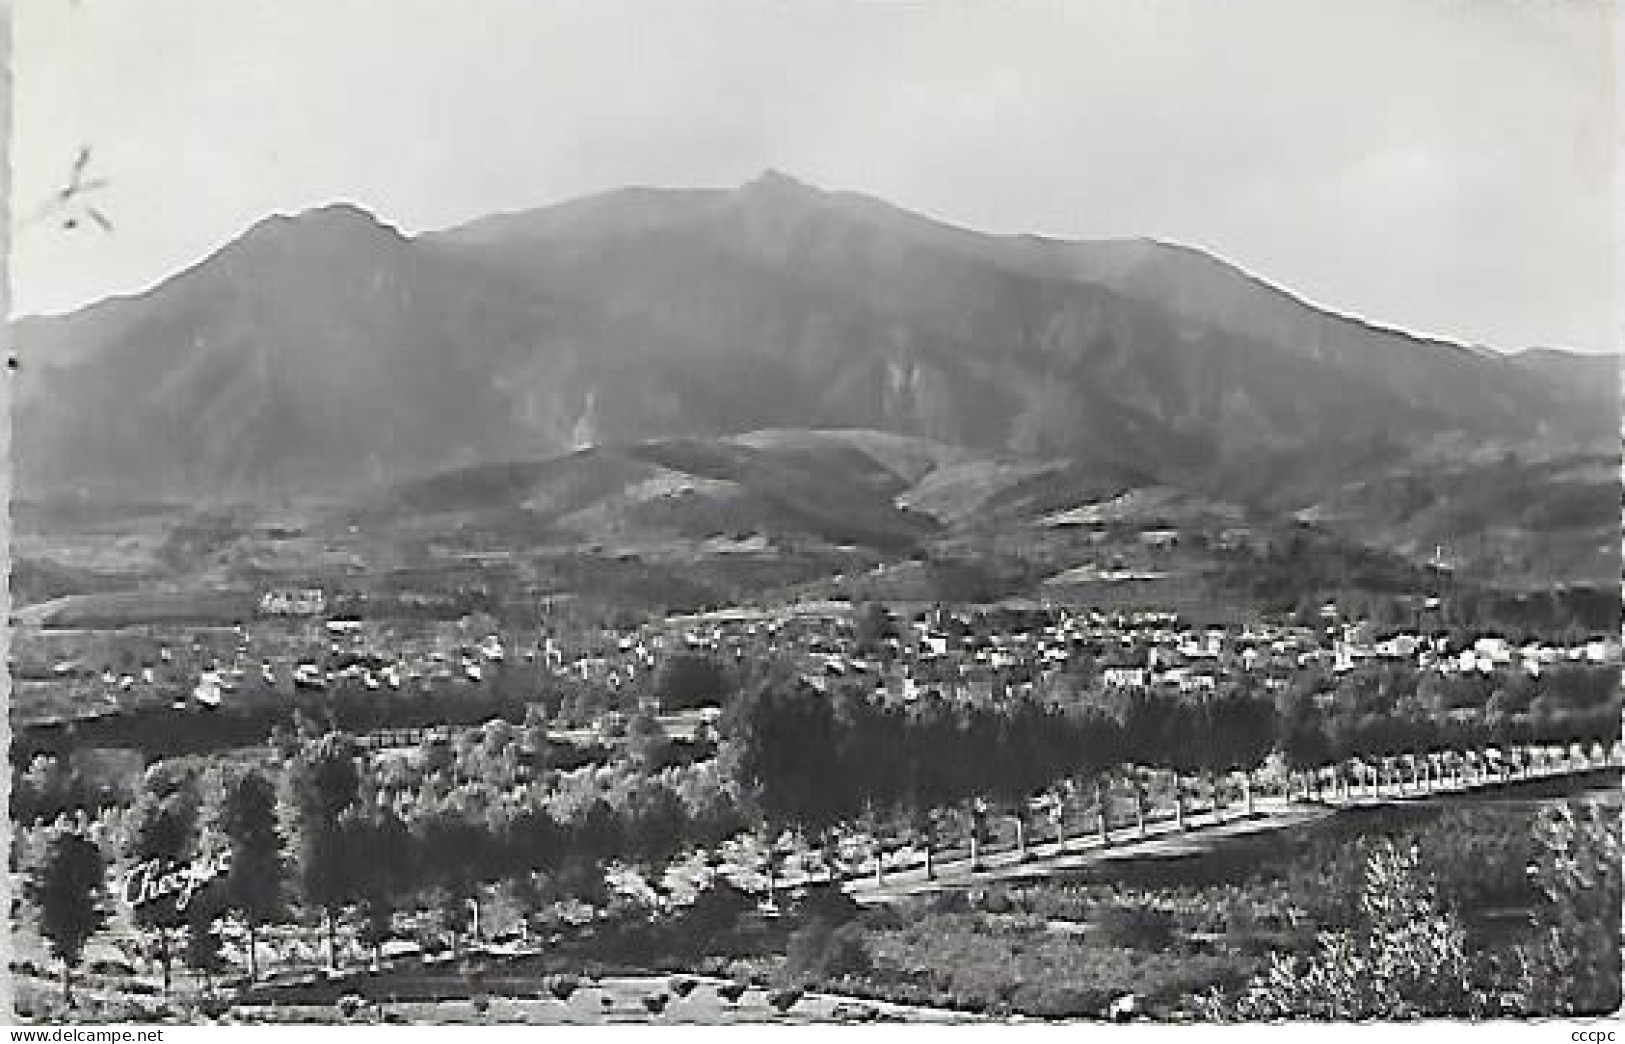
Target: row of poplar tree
x=326 y=830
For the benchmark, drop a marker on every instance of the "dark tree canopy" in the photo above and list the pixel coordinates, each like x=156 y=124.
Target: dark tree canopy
x=248 y=821
x=69 y=887
x=687 y=680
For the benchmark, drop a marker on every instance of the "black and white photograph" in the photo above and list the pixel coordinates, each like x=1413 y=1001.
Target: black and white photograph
x=779 y=512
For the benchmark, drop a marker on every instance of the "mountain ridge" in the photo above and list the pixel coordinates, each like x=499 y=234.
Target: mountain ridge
x=324 y=348
x=1047 y=240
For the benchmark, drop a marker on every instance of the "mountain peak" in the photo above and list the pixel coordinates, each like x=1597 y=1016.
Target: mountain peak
x=332 y=219
x=776 y=181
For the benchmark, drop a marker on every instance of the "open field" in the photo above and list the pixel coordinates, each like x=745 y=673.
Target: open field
x=1165 y=847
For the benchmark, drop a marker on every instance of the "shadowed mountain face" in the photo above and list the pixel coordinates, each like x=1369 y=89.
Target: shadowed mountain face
x=325 y=350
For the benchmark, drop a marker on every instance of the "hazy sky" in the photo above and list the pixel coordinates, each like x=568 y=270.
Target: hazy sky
x=1443 y=165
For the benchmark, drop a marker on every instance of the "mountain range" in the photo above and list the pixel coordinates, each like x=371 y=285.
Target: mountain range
x=324 y=352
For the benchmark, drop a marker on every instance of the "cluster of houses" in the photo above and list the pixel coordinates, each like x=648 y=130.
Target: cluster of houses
x=1487 y=654
x=294 y=602
x=982 y=653
x=967 y=653
x=963 y=653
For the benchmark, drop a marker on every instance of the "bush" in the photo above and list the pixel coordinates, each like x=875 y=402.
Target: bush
x=752 y=971
x=993 y=900
x=1241 y=921
x=215 y=1007
x=562 y=987
x=1061 y=1002
x=1137 y=927
x=883 y=919
x=823 y=952
x=712 y=918
x=690 y=680
x=1427 y=968
x=829 y=903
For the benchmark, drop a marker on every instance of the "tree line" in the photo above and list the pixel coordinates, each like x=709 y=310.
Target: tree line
x=336 y=833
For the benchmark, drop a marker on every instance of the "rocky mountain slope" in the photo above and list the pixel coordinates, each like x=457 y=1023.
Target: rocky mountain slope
x=323 y=350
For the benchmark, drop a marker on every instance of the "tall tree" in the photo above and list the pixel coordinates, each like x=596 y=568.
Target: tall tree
x=247 y=818
x=203 y=946
x=1301 y=738
x=162 y=834
x=378 y=842
x=1243 y=729
x=780 y=741
x=69 y=887
x=323 y=782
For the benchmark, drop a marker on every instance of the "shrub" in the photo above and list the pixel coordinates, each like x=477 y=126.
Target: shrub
x=883 y=919
x=714 y=912
x=562 y=987
x=688 y=680
x=214 y=1007
x=1137 y=927
x=993 y=900
x=829 y=903
x=822 y=951
x=1409 y=959
x=1061 y=1001
x=1241 y=921
x=1575 y=968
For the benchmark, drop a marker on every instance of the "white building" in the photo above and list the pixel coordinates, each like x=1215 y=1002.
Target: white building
x=1124 y=677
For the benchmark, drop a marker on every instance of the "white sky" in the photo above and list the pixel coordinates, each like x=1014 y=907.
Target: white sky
x=1443 y=165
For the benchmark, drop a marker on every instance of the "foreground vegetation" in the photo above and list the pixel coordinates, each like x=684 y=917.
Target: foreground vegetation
x=1408 y=920
x=454 y=843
